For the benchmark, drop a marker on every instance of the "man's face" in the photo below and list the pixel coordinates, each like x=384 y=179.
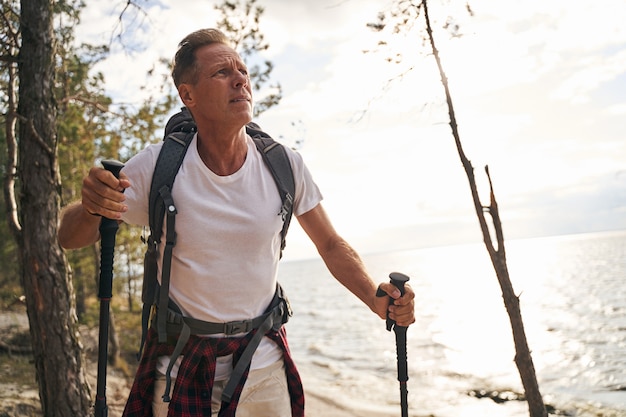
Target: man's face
x=222 y=92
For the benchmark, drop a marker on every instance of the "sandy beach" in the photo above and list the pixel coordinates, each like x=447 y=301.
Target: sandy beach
x=319 y=406
x=17 y=401
x=23 y=401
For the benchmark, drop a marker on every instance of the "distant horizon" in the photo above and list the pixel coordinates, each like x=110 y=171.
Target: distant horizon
x=365 y=250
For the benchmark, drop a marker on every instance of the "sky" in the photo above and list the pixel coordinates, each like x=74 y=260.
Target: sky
x=538 y=88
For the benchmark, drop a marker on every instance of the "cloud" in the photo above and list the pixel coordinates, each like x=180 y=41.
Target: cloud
x=307 y=24
x=536 y=87
x=595 y=204
x=589 y=74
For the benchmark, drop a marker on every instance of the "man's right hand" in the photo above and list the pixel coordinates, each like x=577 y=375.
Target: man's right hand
x=103 y=194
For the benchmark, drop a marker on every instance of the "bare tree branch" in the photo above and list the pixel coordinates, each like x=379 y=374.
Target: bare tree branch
x=523 y=358
x=36 y=135
x=12 y=147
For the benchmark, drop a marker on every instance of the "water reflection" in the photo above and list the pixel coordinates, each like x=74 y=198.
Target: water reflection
x=573 y=305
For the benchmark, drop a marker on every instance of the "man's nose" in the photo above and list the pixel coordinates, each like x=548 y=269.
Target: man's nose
x=241 y=80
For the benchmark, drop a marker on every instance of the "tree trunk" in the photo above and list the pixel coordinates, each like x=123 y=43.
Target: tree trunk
x=63 y=388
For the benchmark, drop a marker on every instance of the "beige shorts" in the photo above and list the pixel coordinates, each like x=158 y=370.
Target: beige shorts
x=265 y=394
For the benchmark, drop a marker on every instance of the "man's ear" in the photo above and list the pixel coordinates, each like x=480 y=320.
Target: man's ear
x=186 y=94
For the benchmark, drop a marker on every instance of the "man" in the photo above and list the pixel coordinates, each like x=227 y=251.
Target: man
x=225 y=261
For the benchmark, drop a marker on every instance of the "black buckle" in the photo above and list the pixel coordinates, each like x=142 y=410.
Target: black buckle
x=288 y=311
x=234 y=327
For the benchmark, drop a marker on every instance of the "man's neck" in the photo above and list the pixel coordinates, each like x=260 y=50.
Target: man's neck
x=223 y=153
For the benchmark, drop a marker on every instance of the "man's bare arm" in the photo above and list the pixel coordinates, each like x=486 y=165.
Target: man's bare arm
x=102 y=195
x=347 y=267
x=78 y=228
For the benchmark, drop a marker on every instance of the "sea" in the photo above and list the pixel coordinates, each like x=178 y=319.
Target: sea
x=572 y=291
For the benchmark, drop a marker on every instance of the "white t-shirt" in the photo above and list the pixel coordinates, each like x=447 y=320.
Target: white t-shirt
x=225 y=261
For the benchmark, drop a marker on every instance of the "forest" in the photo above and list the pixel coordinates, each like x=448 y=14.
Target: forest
x=58 y=122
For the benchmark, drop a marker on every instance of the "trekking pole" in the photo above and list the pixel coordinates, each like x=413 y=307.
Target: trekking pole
x=398 y=280
x=108 y=229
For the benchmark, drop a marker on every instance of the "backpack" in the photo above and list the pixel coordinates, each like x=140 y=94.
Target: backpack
x=179 y=132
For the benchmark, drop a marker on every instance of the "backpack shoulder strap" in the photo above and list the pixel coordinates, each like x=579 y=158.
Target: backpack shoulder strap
x=168 y=163
x=275 y=157
x=174 y=148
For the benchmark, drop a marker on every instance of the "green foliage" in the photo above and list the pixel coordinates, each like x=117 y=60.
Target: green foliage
x=92 y=126
x=8 y=32
x=89 y=125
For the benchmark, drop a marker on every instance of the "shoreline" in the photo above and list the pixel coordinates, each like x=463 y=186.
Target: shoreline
x=23 y=401
x=321 y=400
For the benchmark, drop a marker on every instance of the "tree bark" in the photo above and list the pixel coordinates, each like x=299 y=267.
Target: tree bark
x=63 y=388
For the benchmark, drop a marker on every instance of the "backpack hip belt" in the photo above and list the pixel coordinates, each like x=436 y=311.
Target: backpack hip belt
x=279 y=309
x=277 y=314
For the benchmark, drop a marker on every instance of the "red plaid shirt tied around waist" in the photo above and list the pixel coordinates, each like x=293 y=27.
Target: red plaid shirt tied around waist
x=192 y=391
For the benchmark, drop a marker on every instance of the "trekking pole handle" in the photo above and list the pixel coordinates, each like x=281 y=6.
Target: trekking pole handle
x=108 y=229
x=398 y=279
x=113 y=166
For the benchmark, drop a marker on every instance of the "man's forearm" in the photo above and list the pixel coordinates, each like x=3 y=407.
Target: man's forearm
x=78 y=228
x=346 y=266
